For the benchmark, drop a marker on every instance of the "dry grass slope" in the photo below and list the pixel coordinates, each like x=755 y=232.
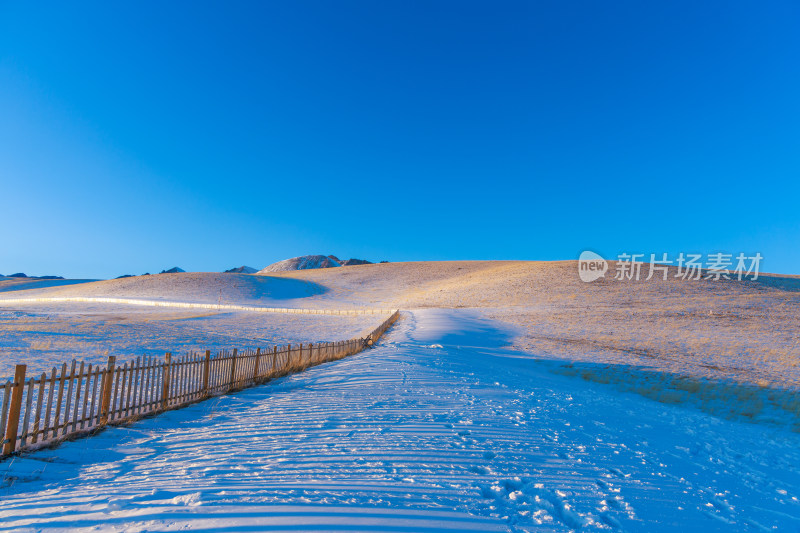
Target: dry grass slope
x=744 y=331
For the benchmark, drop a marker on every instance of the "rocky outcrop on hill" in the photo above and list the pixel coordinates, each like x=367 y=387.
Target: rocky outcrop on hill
x=241 y=270
x=306 y=262
x=303 y=262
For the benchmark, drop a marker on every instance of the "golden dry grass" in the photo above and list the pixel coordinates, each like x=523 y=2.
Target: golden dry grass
x=746 y=331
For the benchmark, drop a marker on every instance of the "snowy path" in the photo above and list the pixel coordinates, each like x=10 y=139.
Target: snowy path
x=411 y=436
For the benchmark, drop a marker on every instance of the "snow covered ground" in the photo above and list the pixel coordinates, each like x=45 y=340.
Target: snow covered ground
x=440 y=427
x=42 y=335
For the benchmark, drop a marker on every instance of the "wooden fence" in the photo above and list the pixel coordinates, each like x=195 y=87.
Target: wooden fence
x=80 y=399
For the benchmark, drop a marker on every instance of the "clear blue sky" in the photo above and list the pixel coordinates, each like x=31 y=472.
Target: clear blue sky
x=135 y=136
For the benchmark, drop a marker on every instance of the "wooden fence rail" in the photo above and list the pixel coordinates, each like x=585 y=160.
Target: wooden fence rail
x=80 y=398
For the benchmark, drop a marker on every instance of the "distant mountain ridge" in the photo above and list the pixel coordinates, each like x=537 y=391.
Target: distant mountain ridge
x=304 y=262
x=21 y=275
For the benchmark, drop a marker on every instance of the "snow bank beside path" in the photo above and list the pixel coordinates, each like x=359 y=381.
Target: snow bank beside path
x=44 y=335
x=194 y=305
x=427 y=432
x=199 y=287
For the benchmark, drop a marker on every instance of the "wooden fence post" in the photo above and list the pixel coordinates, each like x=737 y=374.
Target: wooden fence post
x=206 y=370
x=299 y=357
x=274 y=360
x=233 y=368
x=108 y=379
x=10 y=441
x=310 y=353
x=255 y=366
x=165 y=384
